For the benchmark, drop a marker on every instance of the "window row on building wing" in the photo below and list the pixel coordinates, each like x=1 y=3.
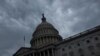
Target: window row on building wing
x=84 y=46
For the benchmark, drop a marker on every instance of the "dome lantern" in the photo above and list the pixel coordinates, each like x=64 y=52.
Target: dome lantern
x=43 y=18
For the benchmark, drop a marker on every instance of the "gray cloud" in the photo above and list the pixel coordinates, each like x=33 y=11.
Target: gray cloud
x=19 y=18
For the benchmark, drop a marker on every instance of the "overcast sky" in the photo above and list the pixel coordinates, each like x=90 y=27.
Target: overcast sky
x=19 y=18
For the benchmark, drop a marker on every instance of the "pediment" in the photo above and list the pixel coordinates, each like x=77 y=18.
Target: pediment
x=22 y=50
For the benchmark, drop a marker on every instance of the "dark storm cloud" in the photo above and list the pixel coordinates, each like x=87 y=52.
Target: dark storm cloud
x=88 y=14
x=19 y=18
x=78 y=15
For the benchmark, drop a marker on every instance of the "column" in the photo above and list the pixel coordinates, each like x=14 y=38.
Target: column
x=46 y=40
x=36 y=43
x=44 y=53
x=33 y=54
x=52 y=52
x=48 y=53
x=51 y=39
x=40 y=54
x=40 y=41
x=36 y=54
x=43 y=40
x=54 y=39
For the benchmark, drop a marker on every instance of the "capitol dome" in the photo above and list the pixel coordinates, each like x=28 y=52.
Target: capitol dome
x=45 y=34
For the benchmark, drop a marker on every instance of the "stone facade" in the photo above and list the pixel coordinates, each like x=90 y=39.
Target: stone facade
x=86 y=43
x=46 y=41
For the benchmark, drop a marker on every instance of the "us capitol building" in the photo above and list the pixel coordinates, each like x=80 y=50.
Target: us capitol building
x=46 y=41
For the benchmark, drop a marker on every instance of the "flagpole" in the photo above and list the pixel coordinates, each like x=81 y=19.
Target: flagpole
x=24 y=41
